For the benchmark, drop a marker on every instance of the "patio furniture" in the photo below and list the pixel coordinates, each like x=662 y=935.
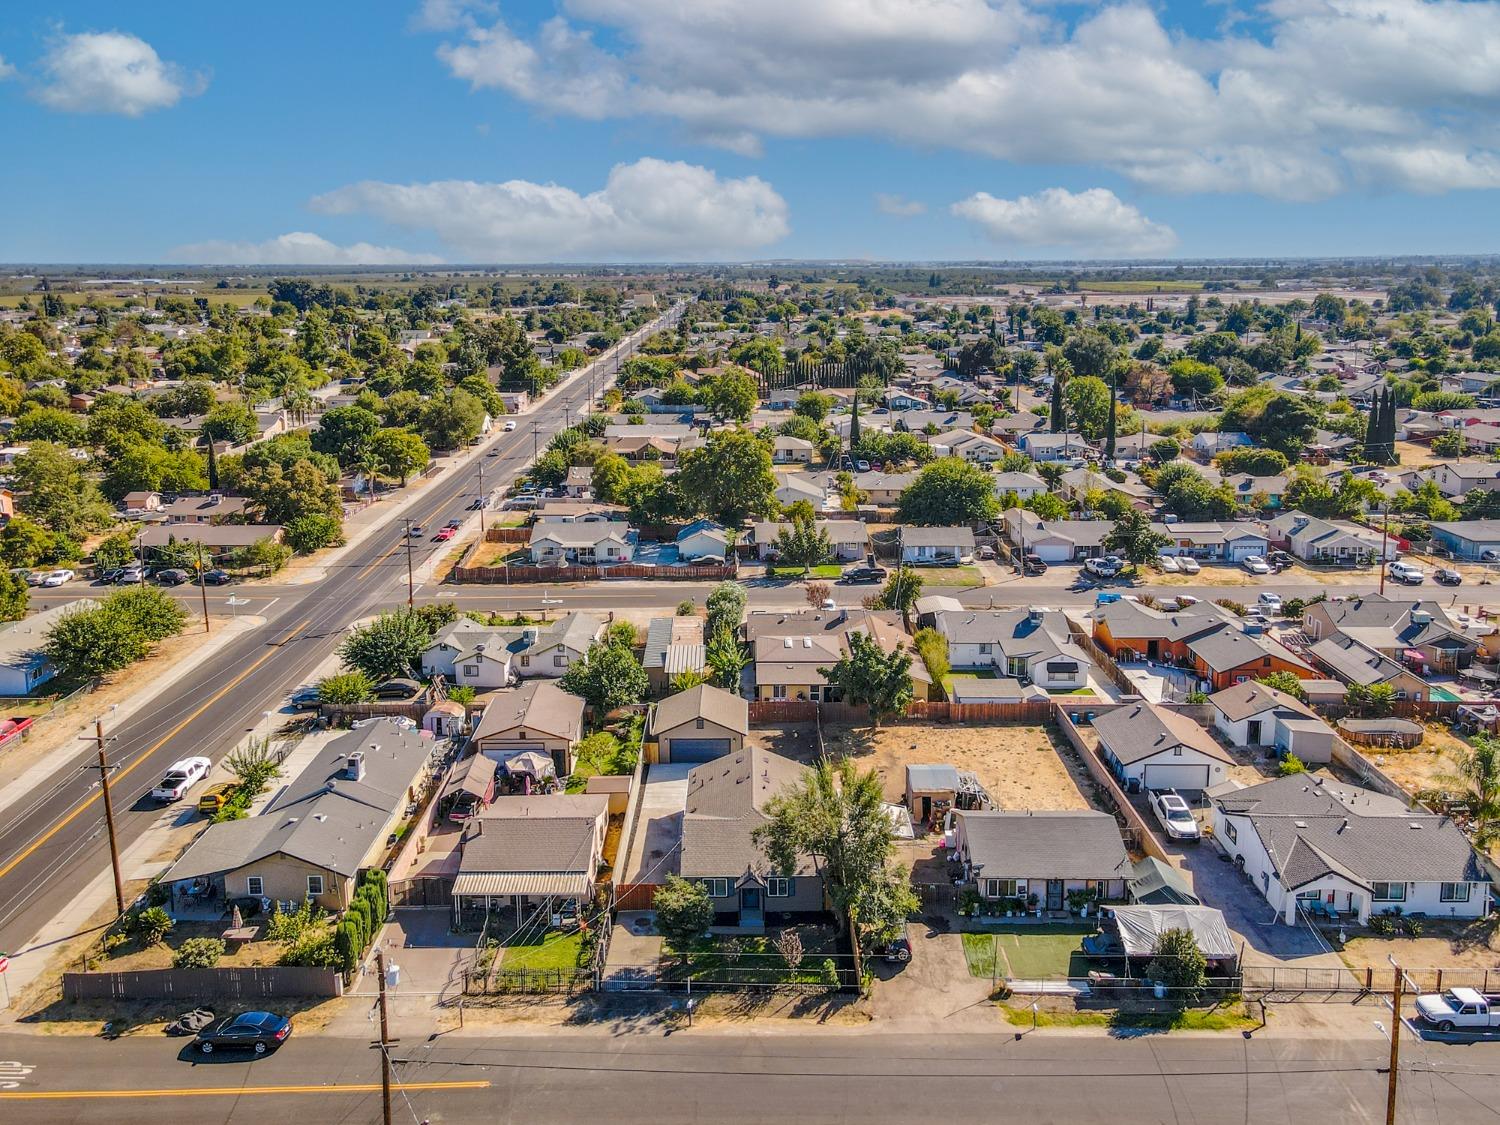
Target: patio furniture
x=240 y=934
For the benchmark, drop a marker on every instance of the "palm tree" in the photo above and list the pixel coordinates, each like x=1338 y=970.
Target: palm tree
x=1477 y=770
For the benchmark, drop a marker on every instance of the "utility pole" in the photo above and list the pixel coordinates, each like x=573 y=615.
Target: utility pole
x=484 y=498
x=202 y=589
x=1385 y=531
x=1390 y=1091
x=410 y=584
x=104 y=769
x=385 y=1041
x=534 y=454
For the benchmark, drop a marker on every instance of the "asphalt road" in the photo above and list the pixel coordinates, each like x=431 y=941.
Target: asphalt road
x=52 y=843
x=695 y=1076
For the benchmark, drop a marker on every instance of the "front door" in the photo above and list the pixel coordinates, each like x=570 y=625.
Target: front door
x=750 y=898
x=1054 y=894
x=1252 y=732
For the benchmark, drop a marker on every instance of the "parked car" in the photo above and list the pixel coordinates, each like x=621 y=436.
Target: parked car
x=180 y=778
x=1406 y=573
x=248 y=1031
x=896 y=949
x=306 y=696
x=172 y=577
x=1175 y=816
x=217 y=577
x=1459 y=1008
x=58 y=578
x=1186 y=564
x=1033 y=564
x=1447 y=576
x=111 y=575
x=455 y=523
x=519 y=503
x=36 y=577
x=856 y=575
x=1267 y=602
x=704 y=560
x=1106 y=567
x=130 y=575
x=1168 y=564
x=1256 y=565
x=215 y=797
x=985 y=552
x=1279 y=559
x=862 y=466
x=445 y=534
x=398 y=689
x=510 y=424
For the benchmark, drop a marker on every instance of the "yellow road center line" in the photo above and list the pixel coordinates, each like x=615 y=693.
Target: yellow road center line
x=155 y=746
x=231 y=1091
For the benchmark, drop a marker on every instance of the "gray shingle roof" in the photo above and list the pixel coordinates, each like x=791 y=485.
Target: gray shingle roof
x=537 y=705
x=725 y=803
x=1228 y=648
x=1143 y=730
x=1053 y=845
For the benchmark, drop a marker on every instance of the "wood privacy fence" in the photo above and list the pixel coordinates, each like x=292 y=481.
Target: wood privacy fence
x=224 y=986
x=521 y=575
x=1110 y=789
x=507 y=535
x=1026 y=711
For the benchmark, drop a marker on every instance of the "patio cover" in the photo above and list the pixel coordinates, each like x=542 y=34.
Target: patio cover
x=472 y=775
x=538 y=765
x=1141 y=925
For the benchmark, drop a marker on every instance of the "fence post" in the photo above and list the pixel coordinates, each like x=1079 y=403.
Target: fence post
x=1439 y=987
x=1369 y=978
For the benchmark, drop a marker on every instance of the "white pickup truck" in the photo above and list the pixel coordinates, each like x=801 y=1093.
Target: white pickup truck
x=1459 y=1009
x=180 y=778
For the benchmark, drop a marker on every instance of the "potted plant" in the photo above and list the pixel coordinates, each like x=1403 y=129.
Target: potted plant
x=1034 y=903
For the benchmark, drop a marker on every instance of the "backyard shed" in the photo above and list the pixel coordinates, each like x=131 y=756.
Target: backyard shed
x=929 y=789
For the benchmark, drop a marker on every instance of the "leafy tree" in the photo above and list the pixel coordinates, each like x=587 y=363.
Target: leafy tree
x=814 y=405
x=1442 y=400
x=280 y=495
x=1179 y=964
x=872 y=677
x=607 y=678
x=684 y=912
x=398 y=453
x=1134 y=538
x=347 y=687
x=725 y=606
x=452 y=420
x=231 y=422
x=732 y=394
x=1284 y=682
x=1091 y=353
x=803 y=543
x=312 y=532
x=1448 y=443
x=1274 y=419
x=1476 y=769
x=1087 y=401
x=55 y=491
x=1255 y=462
x=152 y=611
x=729 y=478
x=1047 y=506
x=949 y=492
x=139 y=466
x=1290 y=764
x=836 y=816
x=92 y=641
x=344 y=433
x=391 y=645
x=48 y=423
x=901 y=591
x=13 y=596
x=1164 y=450
x=726 y=656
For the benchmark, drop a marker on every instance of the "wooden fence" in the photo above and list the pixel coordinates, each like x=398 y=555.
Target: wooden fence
x=507 y=535
x=635 y=896
x=1026 y=711
x=521 y=575
x=1110 y=788
x=773 y=712
x=224 y=986
x=426 y=892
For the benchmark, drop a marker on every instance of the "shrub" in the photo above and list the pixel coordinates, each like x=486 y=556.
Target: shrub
x=462 y=694
x=1410 y=926
x=350 y=687
x=358 y=915
x=311 y=531
x=686 y=609
x=316 y=949
x=1289 y=765
x=198 y=953
x=1382 y=925
x=684 y=911
x=288 y=926
x=346 y=944
x=1234 y=607
x=152 y=925
x=1179 y=964
x=830 y=974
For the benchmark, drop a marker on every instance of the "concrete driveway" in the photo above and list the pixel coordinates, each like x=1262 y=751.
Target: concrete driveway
x=934 y=990
x=658 y=833
x=430 y=958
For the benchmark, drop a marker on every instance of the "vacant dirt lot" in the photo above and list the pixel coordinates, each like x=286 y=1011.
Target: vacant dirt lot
x=1239 y=576
x=1443 y=945
x=1020 y=766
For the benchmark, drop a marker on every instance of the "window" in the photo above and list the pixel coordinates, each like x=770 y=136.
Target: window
x=1265 y=661
x=1016 y=666
x=778 y=887
x=471 y=669
x=778 y=691
x=698 y=723
x=1231 y=831
x=1388 y=892
x=717 y=888
x=1453 y=892
x=999 y=888
x=1241 y=679
x=314 y=885
x=525 y=662
x=559 y=661
x=255 y=886
x=1177 y=751
x=984 y=650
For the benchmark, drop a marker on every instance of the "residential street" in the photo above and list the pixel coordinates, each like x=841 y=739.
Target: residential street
x=53 y=844
x=701 y=1074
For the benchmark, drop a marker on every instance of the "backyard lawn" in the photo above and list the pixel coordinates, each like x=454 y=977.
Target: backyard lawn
x=1027 y=953
x=552 y=950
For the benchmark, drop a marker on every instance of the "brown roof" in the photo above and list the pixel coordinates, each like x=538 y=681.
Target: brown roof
x=537 y=705
x=703 y=702
x=1251 y=698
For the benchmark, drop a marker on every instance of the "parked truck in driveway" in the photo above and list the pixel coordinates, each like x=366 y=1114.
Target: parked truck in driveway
x=1460 y=1009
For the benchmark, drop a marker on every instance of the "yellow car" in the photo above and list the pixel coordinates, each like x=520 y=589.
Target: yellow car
x=215 y=797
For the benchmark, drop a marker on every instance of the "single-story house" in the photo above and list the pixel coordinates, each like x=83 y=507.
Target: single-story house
x=698 y=725
x=1013 y=855
x=1056 y=541
x=1034 y=645
x=537 y=716
x=583 y=543
x=328 y=824
x=141 y=501
x=978 y=449
x=1458 y=478
x=552 y=649
x=928 y=544
x=1307 y=839
x=471 y=654
x=1211 y=442
x=23 y=666
x=790 y=648
x=1471 y=540
x=1233 y=543
x=674 y=646
x=884 y=489
x=1247 y=488
x=211 y=508
x=1001 y=690
x=214 y=537
x=579 y=483
x=702 y=537
x=1055 y=447
x=1358 y=663
x=1150 y=747
x=788 y=450
x=918 y=421
x=1024 y=485
x=1314 y=539
x=850 y=538
x=726 y=802
x=528 y=853
x=1232 y=654
x=791 y=487
x=1254 y=715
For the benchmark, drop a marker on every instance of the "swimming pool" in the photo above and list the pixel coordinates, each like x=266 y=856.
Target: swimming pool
x=1443 y=695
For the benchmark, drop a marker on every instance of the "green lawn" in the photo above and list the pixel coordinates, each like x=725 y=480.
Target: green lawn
x=1230 y=1018
x=552 y=950
x=1070 y=691
x=1029 y=953
x=831 y=570
x=951 y=576
x=753 y=959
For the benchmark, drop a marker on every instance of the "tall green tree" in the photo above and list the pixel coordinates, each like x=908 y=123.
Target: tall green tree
x=13 y=596
x=1058 y=416
x=54 y=490
x=1476 y=768
x=803 y=543
x=684 y=912
x=608 y=677
x=726 y=656
x=729 y=478
x=869 y=676
x=949 y=492
x=1135 y=539
x=398 y=453
x=391 y=645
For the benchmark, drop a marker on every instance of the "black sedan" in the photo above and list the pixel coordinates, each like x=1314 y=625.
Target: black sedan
x=248 y=1031
x=216 y=577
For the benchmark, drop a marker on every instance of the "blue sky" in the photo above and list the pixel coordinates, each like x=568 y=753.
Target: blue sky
x=591 y=130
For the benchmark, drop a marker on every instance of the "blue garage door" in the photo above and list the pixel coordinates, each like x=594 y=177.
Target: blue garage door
x=697 y=749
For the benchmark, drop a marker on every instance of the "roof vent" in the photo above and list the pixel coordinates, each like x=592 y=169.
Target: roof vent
x=1415 y=825
x=786 y=642
x=1300 y=823
x=807 y=642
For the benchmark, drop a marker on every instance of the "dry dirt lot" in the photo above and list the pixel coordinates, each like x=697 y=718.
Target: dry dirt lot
x=1020 y=766
x=1422 y=767
x=1469 y=945
x=1239 y=576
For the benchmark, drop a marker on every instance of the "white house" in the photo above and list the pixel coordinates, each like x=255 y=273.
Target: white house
x=1033 y=645
x=1315 y=539
x=553 y=649
x=1253 y=715
x=23 y=667
x=1210 y=442
x=978 y=449
x=1024 y=485
x=702 y=537
x=788 y=450
x=930 y=544
x=583 y=543
x=1307 y=838
x=1151 y=747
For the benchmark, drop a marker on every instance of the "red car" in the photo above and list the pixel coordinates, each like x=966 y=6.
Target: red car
x=445 y=534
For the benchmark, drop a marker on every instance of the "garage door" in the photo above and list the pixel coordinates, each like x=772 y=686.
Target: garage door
x=1176 y=777
x=697 y=749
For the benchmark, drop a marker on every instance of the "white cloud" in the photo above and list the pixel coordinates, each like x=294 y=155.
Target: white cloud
x=450 y=15
x=111 y=72
x=1285 y=107
x=299 y=248
x=651 y=209
x=1091 y=223
x=6 y=70
x=898 y=205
